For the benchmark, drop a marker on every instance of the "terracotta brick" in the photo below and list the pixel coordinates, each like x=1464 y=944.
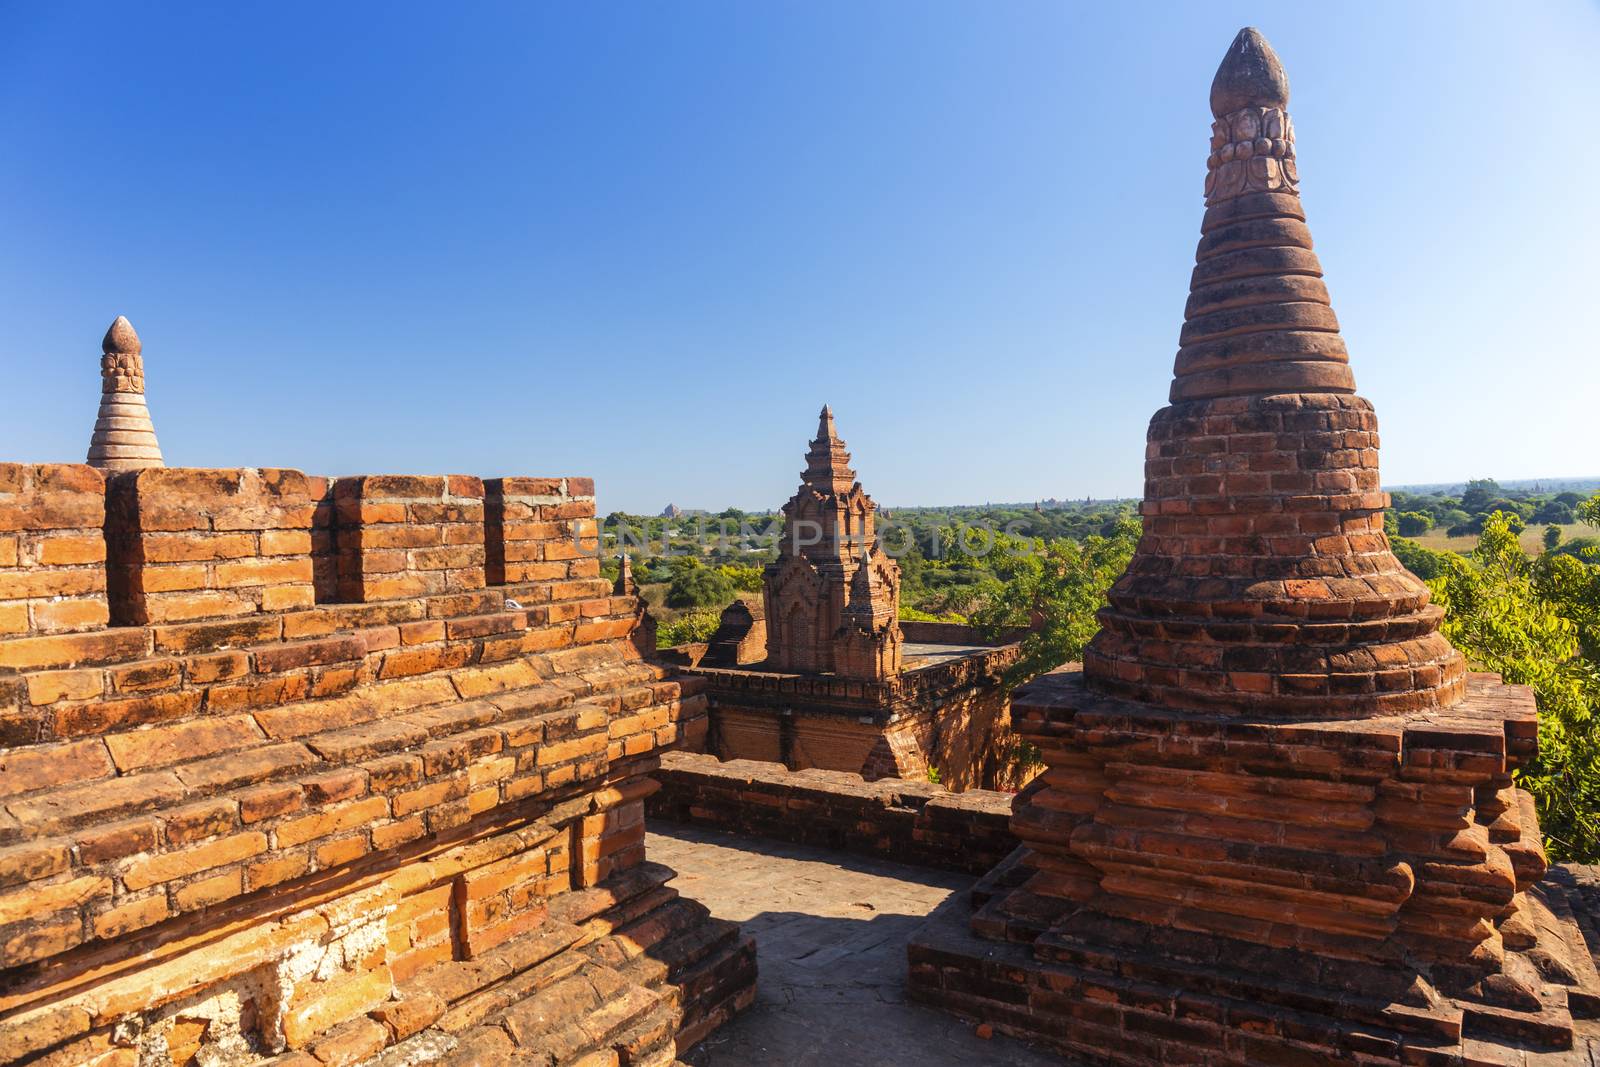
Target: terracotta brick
x=341 y=1000
x=160 y=745
x=428 y=796
x=220 y=666
x=153 y=870
x=270 y=801
x=332 y=821
x=207 y=891
x=146 y=676
x=109 y=715
x=39 y=899
x=105 y=843
x=279 y=868
x=134 y=915
x=32 y=860
x=198 y=821
x=25 y=770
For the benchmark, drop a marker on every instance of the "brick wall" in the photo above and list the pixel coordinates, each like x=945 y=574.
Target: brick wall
x=52 y=553
x=251 y=817
x=912 y=822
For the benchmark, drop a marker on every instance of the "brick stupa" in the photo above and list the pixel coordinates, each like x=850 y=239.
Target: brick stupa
x=124 y=438
x=1278 y=824
x=832 y=596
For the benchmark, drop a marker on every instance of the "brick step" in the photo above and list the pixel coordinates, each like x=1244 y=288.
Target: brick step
x=575 y=1016
x=127 y=644
x=1266 y=979
x=242 y=822
x=715 y=990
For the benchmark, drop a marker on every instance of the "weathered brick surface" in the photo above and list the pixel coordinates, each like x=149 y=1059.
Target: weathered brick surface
x=408 y=535
x=321 y=798
x=188 y=544
x=1279 y=821
x=908 y=821
x=52 y=550
x=539 y=529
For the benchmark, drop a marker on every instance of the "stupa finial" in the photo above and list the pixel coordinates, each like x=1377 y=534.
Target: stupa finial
x=121 y=338
x=1250 y=75
x=124 y=438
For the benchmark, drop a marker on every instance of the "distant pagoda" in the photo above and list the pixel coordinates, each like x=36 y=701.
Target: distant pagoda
x=832 y=596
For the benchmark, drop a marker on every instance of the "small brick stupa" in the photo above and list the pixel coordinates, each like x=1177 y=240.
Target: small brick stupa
x=1278 y=824
x=124 y=438
x=832 y=596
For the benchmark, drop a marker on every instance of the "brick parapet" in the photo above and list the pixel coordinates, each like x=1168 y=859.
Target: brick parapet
x=52 y=549
x=907 y=821
x=159 y=777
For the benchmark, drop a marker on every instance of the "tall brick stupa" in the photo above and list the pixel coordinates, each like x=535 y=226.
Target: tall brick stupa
x=1279 y=823
x=832 y=596
x=124 y=438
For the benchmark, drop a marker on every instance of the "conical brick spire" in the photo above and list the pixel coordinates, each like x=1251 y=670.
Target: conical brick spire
x=1258 y=318
x=1264 y=581
x=827 y=463
x=124 y=438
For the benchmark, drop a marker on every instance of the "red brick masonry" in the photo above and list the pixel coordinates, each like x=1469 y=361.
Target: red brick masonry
x=244 y=821
x=913 y=822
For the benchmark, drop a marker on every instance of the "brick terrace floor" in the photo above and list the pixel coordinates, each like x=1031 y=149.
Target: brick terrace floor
x=831 y=931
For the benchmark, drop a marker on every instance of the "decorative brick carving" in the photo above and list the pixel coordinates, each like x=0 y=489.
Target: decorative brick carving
x=832 y=596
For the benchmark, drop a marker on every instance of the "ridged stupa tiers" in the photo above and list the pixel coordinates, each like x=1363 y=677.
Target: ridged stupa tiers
x=124 y=438
x=1264 y=582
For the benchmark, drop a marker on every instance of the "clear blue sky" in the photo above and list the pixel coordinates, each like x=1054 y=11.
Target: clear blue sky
x=646 y=241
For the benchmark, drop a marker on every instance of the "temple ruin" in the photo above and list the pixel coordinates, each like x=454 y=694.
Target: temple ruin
x=335 y=771
x=301 y=770
x=824 y=674
x=1279 y=823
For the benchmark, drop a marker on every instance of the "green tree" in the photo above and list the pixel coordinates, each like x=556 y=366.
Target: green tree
x=1502 y=615
x=1414 y=523
x=744 y=577
x=687 y=628
x=1056 y=590
x=1552 y=536
x=699 y=587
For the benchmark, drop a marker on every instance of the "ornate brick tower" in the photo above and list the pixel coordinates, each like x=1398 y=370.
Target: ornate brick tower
x=123 y=437
x=1279 y=823
x=832 y=596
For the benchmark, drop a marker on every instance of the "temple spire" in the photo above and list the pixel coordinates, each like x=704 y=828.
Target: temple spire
x=1264 y=582
x=124 y=438
x=1258 y=320
x=827 y=462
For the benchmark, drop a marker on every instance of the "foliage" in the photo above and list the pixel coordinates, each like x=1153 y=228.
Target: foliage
x=745 y=578
x=911 y=614
x=1413 y=523
x=1061 y=585
x=699 y=587
x=1424 y=562
x=1552 y=536
x=1511 y=614
x=933 y=775
x=687 y=628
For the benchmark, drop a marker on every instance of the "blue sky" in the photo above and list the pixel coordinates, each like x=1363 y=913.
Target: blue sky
x=645 y=242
